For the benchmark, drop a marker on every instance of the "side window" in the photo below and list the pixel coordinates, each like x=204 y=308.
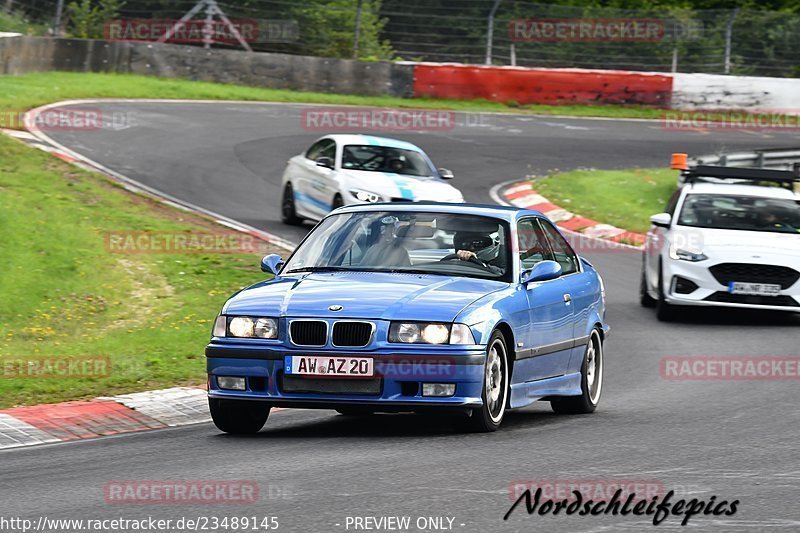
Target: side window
x=323 y=148
x=564 y=255
x=673 y=203
x=533 y=246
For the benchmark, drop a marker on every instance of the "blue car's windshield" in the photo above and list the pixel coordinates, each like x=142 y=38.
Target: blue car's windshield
x=414 y=242
x=384 y=159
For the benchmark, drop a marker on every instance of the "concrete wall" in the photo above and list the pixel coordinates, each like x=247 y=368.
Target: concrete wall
x=710 y=91
x=19 y=55
x=542 y=86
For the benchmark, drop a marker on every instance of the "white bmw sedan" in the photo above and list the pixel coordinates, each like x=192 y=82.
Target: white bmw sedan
x=730 y=243
x=340 y=170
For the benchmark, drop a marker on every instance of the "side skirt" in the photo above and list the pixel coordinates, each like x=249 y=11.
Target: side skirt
x=523 y=394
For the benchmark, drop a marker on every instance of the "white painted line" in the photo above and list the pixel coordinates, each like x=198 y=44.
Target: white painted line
x=18 y=134
x=15 y=433
x=178 y=406
x=603 y=230
x=517 y=188
x=559 y=215
x=528 y=200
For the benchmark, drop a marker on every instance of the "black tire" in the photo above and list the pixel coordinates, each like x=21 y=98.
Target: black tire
x=337 y=202
x=664 y=311
x=644 y=297
x=489 y=416
x=591 y=381
x=238 y=417
x=288 y=212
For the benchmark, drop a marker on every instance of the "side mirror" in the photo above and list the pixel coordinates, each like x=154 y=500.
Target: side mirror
x=662 y=220
x=272 y=264
x=542 y=271
x=445 y=174
x=325 y=162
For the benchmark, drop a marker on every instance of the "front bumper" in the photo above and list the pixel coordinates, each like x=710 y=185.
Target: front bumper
x=710 y=292
x=396 y=385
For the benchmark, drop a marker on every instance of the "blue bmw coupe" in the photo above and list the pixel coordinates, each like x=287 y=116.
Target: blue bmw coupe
x=460 y=308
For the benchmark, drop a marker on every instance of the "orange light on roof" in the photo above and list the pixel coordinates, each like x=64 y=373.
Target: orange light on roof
x=679 y=162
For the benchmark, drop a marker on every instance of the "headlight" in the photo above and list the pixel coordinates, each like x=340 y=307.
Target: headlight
x=435 y=333
x=266 y=328
x=220 y=325
x=241 y=326
x=430 y=333
x=461 y=334
x=247 y=327
x=364 y=196
x=692 y=256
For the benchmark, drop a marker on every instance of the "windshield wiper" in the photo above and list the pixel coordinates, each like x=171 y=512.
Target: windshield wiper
x=363 y=269
x=407 y=271
x=320 y=269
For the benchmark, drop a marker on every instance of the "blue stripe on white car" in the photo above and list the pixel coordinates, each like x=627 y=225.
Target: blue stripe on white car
x=403 y=186
x=304 y=198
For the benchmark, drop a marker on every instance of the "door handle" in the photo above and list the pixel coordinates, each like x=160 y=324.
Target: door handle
x=567 y=298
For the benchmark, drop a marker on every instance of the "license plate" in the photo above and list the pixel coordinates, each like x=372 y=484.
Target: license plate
x=754 y=289
x=312 y=365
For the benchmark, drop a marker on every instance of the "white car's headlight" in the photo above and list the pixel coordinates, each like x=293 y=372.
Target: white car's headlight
x=693 y=256
x=246 y=327
x=364 y=196
x=430 y=333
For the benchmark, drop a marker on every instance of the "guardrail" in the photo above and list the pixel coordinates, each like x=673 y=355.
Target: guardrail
x=773 y=158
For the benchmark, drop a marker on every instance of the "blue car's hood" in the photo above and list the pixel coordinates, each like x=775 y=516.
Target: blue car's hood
x=362 y=295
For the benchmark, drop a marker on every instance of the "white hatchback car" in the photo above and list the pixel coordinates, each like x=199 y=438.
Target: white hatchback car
x=342 y=170
x=726 y=239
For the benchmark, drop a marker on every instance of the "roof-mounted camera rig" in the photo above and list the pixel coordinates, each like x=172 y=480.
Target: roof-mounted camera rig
x=784 y=178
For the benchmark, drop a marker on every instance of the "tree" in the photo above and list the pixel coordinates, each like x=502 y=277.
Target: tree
x=86 y=19
x=328 y=29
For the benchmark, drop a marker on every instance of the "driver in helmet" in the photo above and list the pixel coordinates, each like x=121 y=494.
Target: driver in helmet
x=480 y=247
x=397 y=165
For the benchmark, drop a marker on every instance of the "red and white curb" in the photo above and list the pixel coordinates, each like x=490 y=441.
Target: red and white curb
x=521 y=194
x=84 y=419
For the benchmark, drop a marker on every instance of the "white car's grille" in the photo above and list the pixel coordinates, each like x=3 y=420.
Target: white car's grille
x=752 y=273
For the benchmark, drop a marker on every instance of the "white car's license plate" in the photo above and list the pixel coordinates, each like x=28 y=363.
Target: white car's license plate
x=312 y=365
x=754 y=289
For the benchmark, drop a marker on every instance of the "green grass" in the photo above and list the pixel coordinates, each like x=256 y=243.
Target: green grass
x=20 y=93
x=622 y=198
x=65 y=294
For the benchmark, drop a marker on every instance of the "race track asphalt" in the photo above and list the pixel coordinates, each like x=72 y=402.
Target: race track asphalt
x=729 y=439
